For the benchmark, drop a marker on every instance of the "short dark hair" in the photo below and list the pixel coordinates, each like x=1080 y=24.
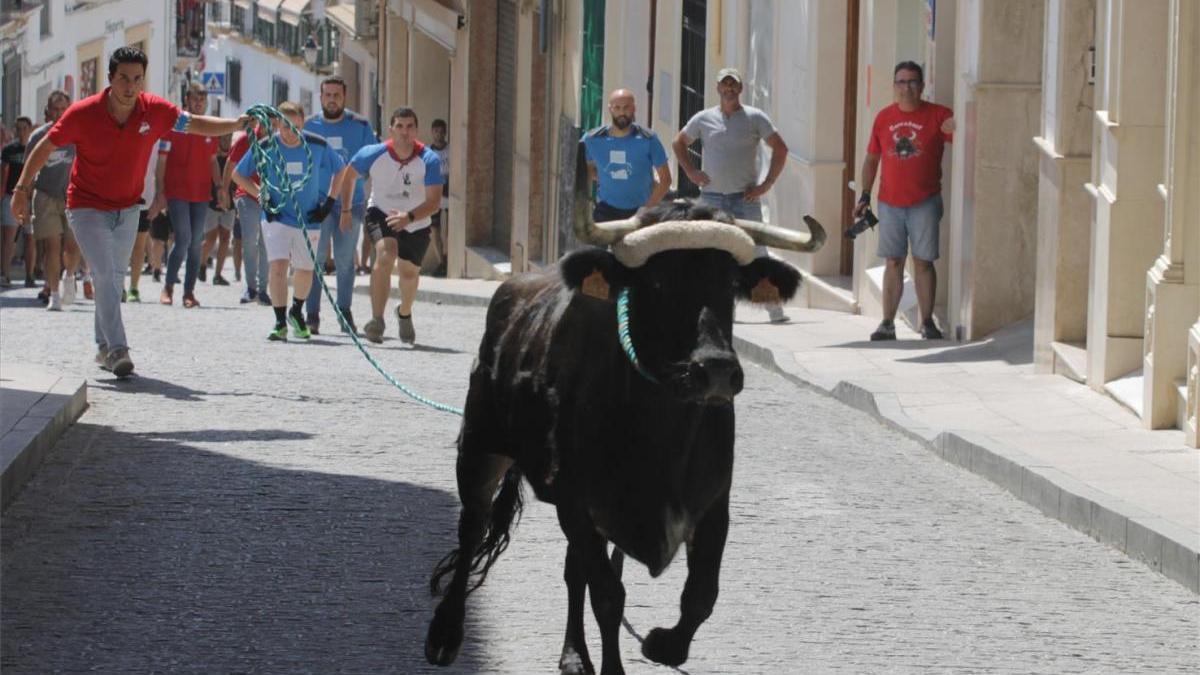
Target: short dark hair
x=438 y=124
x=55 y=95
x=126 y=55
x=910 y=65
x=334 y=79
x=403 y=111
x=24 y=119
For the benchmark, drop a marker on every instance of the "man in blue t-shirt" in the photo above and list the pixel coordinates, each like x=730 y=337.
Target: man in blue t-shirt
x=627 y=160
x=346 y=133
x=406 y=189
x=318 y=183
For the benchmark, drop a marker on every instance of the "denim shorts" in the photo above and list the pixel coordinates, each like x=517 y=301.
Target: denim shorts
x=917 y=224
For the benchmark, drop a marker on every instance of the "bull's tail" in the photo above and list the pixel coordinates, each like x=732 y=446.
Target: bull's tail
x=506 y=512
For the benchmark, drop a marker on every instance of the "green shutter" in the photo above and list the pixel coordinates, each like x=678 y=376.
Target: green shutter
x=591 y=94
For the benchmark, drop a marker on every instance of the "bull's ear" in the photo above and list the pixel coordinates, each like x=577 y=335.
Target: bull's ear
x=768 y=281
x=594 y=272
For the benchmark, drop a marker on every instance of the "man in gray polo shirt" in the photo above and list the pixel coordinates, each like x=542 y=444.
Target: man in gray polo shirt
x=729 y=175
x=50 y=206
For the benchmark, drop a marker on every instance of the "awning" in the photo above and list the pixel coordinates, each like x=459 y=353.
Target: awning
x=343 y=17
x=244 y=4
x=267 y=9
x=437 y=21
x=291 y=11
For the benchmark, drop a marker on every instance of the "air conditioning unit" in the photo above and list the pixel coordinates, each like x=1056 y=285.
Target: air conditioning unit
x=366 y=19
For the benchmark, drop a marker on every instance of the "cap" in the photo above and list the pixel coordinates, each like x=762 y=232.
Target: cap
x=729 y=72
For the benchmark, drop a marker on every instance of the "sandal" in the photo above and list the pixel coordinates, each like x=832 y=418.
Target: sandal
x=166 y=297
x=190 y=301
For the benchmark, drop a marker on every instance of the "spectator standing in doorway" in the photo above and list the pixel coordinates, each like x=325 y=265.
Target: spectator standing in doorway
x=907 y=138
x=189 y=169
x=729 y=178
x=12 y=159
x=345 y=132
x=441 y=218
x=627 y=161
x=114 y=133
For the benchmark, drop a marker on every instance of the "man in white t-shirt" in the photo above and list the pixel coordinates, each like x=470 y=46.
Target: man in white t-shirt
x=406 y=189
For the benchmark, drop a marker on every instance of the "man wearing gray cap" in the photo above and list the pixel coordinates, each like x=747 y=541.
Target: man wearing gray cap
x=729 y=175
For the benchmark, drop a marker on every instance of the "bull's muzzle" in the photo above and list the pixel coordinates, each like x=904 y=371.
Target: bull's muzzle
x=715 y=380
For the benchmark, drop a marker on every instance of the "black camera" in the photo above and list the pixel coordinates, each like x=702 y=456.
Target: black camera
x=868 y=220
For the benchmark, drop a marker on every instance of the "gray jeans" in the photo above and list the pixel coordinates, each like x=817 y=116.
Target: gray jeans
x=254 y=254
x=106 y=239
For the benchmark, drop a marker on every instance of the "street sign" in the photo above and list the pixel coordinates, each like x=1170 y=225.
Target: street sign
x=214 y=82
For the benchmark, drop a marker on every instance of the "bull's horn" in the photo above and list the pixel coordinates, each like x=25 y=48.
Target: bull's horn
x=781 y=237
x=601 y=234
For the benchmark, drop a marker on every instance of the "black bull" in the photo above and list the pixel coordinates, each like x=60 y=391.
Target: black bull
x=643 y=464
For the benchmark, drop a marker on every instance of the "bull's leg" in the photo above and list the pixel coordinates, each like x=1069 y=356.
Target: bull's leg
x=670 y=645
x=608 y=601
x=479 y=476
x=575 y=659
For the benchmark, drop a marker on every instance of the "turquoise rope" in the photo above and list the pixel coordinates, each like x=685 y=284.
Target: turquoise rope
x=263 y=156
x=625 y=338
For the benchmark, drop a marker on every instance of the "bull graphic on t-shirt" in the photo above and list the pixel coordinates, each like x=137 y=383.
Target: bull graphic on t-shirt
x=906 y=143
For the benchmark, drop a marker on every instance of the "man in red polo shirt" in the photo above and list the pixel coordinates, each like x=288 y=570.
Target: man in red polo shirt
x=908 y=138
x=186 y=173
x=114 y=133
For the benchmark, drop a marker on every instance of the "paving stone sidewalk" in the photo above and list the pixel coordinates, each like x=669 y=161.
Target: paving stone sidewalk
x=1075 y=454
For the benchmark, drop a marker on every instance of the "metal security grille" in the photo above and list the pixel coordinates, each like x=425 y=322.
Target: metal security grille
x=279 y=90
x=506 y=86
x=691 y=80
x=591 y=90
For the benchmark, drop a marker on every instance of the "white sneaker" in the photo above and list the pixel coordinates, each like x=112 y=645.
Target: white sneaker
x=55 y=304
x=777 y=315
x=69 y=290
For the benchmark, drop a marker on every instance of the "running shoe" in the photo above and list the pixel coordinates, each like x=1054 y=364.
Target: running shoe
x=930 y=331
x=30 y=282
x=44 y=295
x=314 y=323
x=134 y=296
x=348 y=326
x=408 y=334
x=248 y=296
x=264 y=299
x=158 y=276
x=299 y=329
x=203 y=273
x=54 y=303
x=219 y=280
x=885 y=331
x=102 y=356
x=118 y=361
x=776 y=314
x=279 y=334
x=373 y=330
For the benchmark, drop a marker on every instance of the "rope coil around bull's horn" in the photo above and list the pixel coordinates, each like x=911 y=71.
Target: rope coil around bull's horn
x=781 y=237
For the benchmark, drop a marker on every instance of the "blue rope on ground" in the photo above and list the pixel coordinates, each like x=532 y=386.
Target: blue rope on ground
x=261 y=148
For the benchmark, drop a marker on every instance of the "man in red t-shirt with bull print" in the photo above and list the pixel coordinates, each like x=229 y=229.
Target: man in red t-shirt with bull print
x=908 y=138
x=114 y=133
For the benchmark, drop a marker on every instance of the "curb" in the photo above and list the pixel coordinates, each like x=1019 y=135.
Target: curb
x=25 y=446
x=1161 y=545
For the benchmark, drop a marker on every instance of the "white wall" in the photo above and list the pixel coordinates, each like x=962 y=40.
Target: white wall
x=259 y=67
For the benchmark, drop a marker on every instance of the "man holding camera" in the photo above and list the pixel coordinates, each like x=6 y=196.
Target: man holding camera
x=907 y=138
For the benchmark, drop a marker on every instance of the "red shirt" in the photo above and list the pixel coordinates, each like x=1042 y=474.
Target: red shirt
x=241 y=145
x=910 y=147
x=110 y=159
x=189 y=173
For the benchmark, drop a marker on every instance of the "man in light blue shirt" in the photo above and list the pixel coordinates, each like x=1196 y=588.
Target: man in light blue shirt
x=346 y=133
x=627 y=160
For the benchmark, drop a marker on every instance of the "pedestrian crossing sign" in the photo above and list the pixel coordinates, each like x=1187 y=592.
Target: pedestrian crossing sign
x=214 y=82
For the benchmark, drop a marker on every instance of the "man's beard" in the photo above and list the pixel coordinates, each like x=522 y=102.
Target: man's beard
x=622 y=121
x=332 y=113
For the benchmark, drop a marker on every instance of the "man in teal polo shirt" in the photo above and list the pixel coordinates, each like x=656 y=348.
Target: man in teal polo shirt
x=627 y=160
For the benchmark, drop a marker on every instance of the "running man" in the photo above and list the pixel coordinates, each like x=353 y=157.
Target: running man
x=114 y=133
x=346 y=133
x=281 y=228
x=406 y=189
x=50 y=209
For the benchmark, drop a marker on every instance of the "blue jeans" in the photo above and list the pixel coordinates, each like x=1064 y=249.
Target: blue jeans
x=733 y=204
x=344 y=244
x=187 y=218
x=254 y=254
x=106 y=239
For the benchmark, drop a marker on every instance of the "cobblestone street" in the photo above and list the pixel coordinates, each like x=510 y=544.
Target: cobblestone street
x=246 y=506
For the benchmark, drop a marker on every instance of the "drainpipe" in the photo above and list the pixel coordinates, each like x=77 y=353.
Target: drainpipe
x=650 y=75
x=549 y=199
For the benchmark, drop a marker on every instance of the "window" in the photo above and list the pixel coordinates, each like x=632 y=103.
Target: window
x=233 y=80
x=691 y=80
x=237 y=16
x=88 y=71
x=45 y=31
x=591 y=91
x=189 y=28
x=279 y=90
x=306 y=100
x=287 y=39
x=264 y=31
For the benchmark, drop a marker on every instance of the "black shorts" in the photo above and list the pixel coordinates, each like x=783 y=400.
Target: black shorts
x=435 y=220
x=143 y=221
x=410 y=246
x=160 y=227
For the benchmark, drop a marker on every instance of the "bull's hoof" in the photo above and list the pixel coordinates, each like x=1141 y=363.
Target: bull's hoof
x=664 y=646
x=573 y=662
x=443 y=641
